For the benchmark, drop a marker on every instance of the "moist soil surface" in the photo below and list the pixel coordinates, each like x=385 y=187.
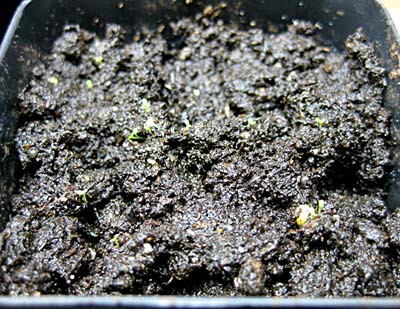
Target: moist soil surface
x=200 y=159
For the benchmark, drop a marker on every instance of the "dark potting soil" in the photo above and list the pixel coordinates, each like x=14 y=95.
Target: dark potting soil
x=200 y=159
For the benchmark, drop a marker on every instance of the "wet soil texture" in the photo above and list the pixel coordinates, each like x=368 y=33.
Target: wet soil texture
x=201 y=159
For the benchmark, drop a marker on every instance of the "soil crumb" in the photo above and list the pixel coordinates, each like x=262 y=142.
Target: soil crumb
x=201 y=159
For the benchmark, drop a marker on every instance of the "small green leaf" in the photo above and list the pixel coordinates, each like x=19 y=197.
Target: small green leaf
x=321 y=205
x=320 y=121
x=187 y=124
x=115 y=241
x=251 y=122
x=146 y=105
x=99 y=59
x=53 y=80
x=134 y=136
x=151 y=161
x=304 y=214
x=89 y=84
x=83 y=195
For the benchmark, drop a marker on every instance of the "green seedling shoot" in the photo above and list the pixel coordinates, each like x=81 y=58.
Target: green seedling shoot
x=53 y=80
x=99 y=59
x=152 y=161
x=83 y=195
x=320 y=121
x=187 y=124
x=146 y=106
x=251 y=122
x=89 y=84
x=115 y=241
x=304 y=213
x=321 y=205
x=135 y=136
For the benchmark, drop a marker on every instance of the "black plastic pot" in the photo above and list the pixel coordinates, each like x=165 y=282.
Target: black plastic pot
x=38 y=22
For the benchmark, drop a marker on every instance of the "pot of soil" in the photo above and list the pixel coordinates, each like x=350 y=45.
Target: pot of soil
x=199 y=148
